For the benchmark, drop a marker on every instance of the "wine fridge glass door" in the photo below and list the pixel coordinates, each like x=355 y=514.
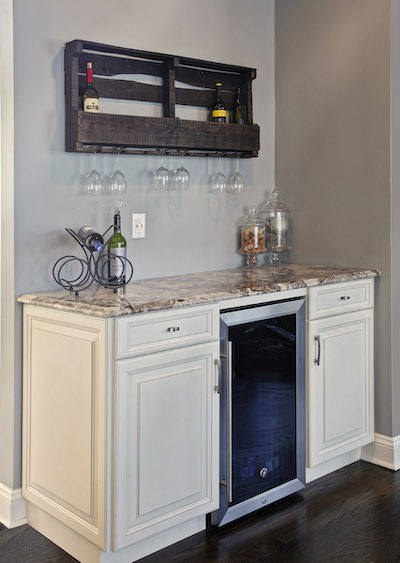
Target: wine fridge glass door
x=262 y=406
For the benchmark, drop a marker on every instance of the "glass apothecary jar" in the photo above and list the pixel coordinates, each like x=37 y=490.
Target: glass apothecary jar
x=252 y=237
x=276 y=216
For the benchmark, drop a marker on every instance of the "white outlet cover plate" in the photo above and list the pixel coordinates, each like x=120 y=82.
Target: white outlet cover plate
x=138 y=225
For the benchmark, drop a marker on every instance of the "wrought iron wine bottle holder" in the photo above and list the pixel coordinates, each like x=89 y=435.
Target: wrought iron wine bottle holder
x=91 y=268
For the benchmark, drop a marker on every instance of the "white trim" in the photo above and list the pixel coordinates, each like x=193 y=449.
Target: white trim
x=331 y=465
x=384 y=451
x=9 y=454
x=12 y=507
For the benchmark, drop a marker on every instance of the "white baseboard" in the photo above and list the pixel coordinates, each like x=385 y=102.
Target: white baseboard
x=326 y=467
x=12 y=507
x=384 y=451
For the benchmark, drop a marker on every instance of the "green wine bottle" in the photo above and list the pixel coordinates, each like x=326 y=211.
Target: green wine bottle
x=90 y=94
x=239 y=111
x=218 y=113
x=116 y=248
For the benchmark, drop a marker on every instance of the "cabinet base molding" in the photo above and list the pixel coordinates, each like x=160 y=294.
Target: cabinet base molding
x=12 y=507
x=87 y=552
x=384 y=451
x=331 y=465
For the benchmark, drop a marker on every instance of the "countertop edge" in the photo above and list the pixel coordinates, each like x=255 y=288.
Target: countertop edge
x=125 y=308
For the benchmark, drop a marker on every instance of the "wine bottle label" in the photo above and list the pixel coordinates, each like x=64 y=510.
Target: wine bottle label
x=91 y=105
x=116 y=266
x=219 y=112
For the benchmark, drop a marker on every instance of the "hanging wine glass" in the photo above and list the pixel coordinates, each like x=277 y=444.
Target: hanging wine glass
x=181 y=177
x=161 y=177
x=218 y=181
x=236 y=182
x=117 y=183
x=93 y=183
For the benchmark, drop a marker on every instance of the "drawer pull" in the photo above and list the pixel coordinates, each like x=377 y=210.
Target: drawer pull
x=173 y=328
x=345 y=297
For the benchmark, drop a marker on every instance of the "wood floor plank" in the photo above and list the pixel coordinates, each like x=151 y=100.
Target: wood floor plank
x=26 y=545
x=352 y=515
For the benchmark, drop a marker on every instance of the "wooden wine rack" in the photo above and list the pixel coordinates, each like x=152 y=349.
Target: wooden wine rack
x=88 y=132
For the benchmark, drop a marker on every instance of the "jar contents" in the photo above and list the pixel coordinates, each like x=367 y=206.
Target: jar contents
x=277 y=223
x=253 y=240
x=252 y=237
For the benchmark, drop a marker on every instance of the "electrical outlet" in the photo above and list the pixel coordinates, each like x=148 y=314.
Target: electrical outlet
x=138 y=225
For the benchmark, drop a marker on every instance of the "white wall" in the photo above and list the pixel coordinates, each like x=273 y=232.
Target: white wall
x=48 y=194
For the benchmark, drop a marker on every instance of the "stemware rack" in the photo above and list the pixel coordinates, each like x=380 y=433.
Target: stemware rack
x=103 y=132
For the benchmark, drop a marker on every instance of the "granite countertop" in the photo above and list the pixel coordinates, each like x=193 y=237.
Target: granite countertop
x=190 y=289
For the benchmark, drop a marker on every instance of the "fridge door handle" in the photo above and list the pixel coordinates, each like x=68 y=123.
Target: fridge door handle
x=229 y=421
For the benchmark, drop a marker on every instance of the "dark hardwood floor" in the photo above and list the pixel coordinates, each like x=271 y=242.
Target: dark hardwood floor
x=352 y=515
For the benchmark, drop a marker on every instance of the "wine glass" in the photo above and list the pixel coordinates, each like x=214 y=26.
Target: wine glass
x=236 y=181
x=161 y=177
x=218 y=181
x=117 y=183
x=93 y=182
x=181 y=177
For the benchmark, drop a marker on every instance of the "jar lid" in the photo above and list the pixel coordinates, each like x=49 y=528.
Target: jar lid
x=275 y=204
x=252 y=218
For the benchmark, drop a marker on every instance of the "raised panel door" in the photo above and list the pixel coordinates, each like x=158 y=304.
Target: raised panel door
x=167 y=434
x=64 y=456
x=340 y=385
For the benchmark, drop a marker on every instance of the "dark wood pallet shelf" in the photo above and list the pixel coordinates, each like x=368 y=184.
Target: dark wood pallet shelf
x=168 y=134
x=88 y=132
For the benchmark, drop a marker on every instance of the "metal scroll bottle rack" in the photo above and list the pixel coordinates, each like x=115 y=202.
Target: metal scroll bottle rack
x=76 y=274
x=103 y=132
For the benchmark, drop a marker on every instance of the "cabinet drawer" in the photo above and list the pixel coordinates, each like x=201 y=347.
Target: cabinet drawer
x=162 y=330
x=327 y=300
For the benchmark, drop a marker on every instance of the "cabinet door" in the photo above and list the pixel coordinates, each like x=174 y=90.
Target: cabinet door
x=167 y=441
x=340 y=385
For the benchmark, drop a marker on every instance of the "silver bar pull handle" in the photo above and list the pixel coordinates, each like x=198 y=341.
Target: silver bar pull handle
x=217 y=386
x=229 y=421
x=317 y=360
x=345 y=298
x=173 y=328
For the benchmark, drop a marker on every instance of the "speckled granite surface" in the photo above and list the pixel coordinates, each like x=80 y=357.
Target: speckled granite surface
x=190 y=289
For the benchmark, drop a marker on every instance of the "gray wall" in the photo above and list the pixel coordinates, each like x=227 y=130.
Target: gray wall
x=333 y=145
x=181 y=236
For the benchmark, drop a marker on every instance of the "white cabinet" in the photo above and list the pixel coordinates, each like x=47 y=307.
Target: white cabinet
x=167 y=440
x=121 y=416
x=340 y=385
x=64 y=419
x=122 y=454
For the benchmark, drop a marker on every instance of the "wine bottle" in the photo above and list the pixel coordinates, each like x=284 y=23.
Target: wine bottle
x=239 y=111
x=90 y=94
x=218 y=112
x=91 y=238
x=116 y=249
